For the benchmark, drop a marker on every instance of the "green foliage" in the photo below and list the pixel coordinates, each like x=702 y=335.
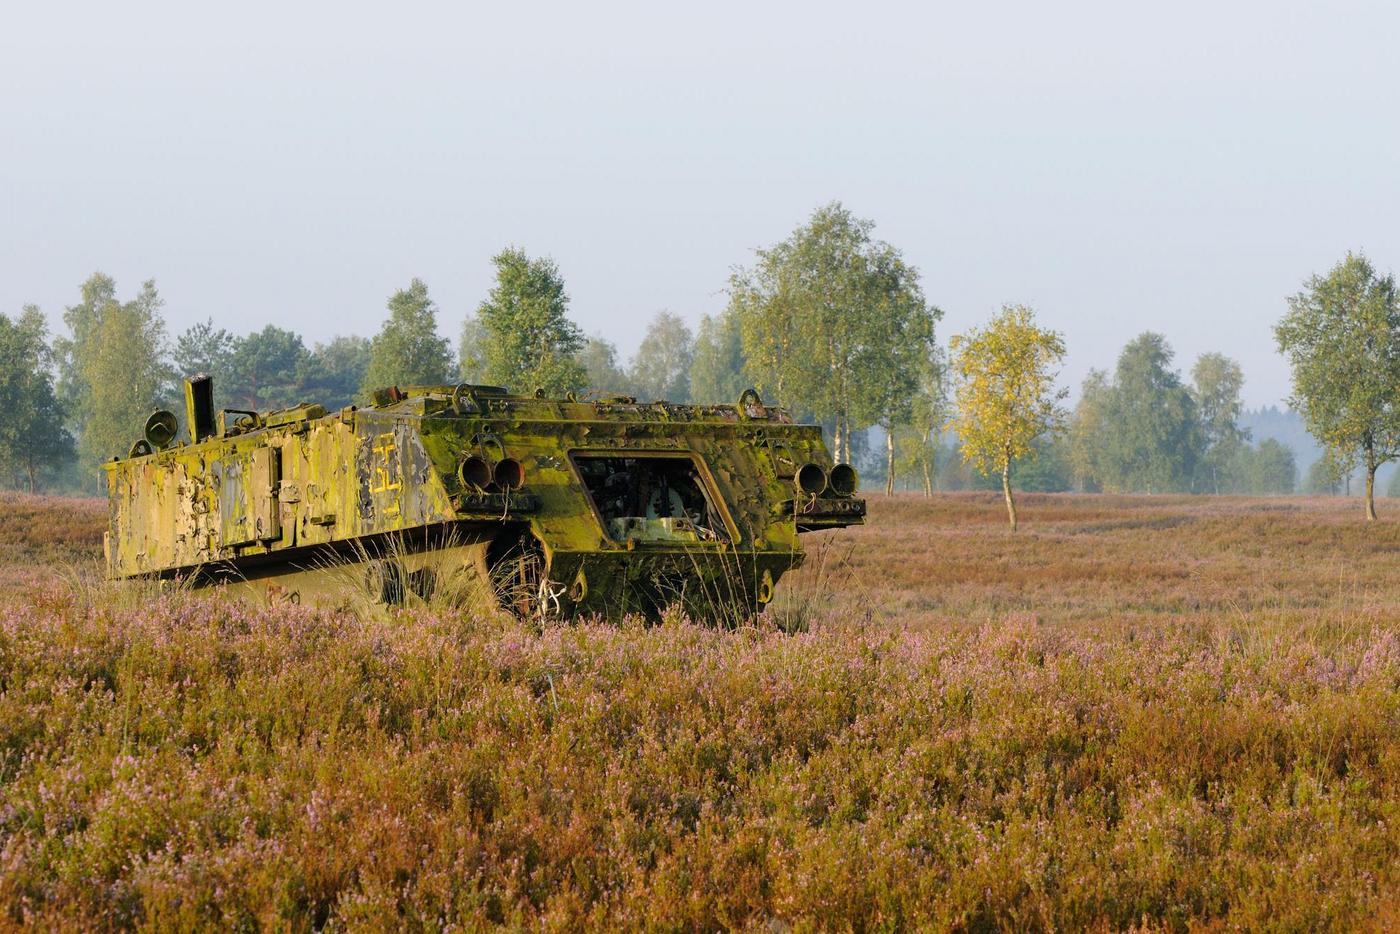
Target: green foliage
x=1048 y=471
x=272 y=368
x=202 y=348
x=898 y=382
x=1087 y=425
x=34 y=442
x=834 y=323
x=717 y=370
x=1155 y=440
x=1268 y=469
x=1142 y=431
x=660 y=369
x=950 y=471
x=1323 y=478
x=335 y=371
x=915 y=462
x=917 y=445
x=1275 y=469
x=266 y=370
x=530 y=343
x=407 y=351
x=98 y=297
x=1342 y=339
x=1285 y=426
x=599 y=360
x=1218 y=381
x=113 y=371
x=471 y=351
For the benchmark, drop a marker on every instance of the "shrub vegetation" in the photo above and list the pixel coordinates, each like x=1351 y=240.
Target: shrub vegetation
x=1135 y=713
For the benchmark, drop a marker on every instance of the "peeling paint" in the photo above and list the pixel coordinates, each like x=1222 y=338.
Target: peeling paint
x=281 y=492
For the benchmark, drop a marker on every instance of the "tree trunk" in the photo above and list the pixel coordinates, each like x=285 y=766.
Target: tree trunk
x=1371 y=492
x=836 y=441
x=1006 y=491
x=930 y=461
x=889 y=462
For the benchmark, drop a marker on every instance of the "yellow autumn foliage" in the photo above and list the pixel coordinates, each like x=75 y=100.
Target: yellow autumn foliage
x=1005 y=396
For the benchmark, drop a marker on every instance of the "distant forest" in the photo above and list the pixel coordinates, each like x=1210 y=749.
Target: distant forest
x=831 y=323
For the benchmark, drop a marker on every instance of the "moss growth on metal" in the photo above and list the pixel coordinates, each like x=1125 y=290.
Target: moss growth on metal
x=554 y=506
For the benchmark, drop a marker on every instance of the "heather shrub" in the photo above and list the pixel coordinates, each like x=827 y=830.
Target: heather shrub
x=196 y=764
x=178 y=761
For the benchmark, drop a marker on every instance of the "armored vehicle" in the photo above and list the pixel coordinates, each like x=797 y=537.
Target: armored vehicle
x=551 y=507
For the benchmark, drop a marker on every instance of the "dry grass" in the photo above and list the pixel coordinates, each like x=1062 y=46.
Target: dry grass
x=1157 y=713
x=1106 y=561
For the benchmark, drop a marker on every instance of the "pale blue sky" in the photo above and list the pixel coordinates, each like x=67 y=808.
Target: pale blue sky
x=1180 y=167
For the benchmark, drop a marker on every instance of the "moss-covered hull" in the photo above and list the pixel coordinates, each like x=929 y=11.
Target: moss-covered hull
x=550 y=506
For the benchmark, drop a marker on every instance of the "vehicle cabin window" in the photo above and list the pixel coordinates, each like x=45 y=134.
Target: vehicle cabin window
x=651 y=499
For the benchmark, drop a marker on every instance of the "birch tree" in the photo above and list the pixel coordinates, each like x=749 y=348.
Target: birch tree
x=1218 y=381
x=33 y=439
x=113 y=369
x=408 y=351
x=831 y=322
x=660 y=369
x=1005 y=397
x=1341 y=336
x=530 y=343
x=718 y=369
x=599 y=361
x=929 y=413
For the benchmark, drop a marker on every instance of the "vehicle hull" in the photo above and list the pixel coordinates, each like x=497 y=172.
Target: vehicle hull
x=446 y=494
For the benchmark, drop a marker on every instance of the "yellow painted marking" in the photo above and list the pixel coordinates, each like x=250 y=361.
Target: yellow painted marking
x=386 y=480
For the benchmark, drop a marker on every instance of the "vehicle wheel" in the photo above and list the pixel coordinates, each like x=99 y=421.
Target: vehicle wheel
x=519 y=579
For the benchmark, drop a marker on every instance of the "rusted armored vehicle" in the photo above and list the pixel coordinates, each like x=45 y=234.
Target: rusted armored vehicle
x=550 y=507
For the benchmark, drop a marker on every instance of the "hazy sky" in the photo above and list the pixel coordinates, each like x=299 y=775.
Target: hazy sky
x=1120 y=166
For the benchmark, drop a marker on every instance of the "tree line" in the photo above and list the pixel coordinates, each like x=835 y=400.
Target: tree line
x=1141 y=427
x=831 y=322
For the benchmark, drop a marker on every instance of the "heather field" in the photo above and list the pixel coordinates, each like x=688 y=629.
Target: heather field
x=1148 y=713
